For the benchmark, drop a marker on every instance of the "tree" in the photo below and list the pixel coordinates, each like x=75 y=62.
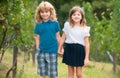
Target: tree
x=16 y=26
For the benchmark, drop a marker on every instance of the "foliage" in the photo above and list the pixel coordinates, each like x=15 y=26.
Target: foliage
x=115 y=29
x=20 y=18
x=102 y=7
x=17 y=22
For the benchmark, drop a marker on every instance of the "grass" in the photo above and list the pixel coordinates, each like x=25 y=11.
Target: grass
x=99 y=70
x=95 y=70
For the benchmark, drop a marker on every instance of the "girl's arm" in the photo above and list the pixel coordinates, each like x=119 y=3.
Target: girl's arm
x=37 y=41
x=62 y=40
x=87 y=50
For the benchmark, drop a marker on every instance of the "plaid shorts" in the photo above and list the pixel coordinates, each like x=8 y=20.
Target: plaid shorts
x=47 y=64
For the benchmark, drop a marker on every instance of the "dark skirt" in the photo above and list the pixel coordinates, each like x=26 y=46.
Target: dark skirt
x=74 y=54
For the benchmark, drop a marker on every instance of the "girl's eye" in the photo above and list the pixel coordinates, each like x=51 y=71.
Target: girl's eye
x=74 y=14
x=42 y=12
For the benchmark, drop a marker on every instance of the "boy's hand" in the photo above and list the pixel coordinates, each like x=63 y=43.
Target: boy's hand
x=37 y=52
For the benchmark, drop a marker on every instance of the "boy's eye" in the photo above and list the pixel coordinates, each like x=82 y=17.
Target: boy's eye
x=44 y=11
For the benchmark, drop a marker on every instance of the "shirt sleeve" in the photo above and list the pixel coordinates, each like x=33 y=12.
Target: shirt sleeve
x=36 y=29
x=57 y=28
x=87 y=31
x=65 y=27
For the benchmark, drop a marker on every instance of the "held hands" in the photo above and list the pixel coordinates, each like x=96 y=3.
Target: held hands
x=60 y=52
x=86 y=62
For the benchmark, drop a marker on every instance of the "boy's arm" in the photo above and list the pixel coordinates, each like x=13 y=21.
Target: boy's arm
x=62 y=40
x=58 y=37
x=37 y=41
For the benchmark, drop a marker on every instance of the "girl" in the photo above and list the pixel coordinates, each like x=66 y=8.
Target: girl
x=76 y=38
x=47 y=38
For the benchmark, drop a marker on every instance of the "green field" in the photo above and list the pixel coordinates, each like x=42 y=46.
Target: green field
x=95 y=70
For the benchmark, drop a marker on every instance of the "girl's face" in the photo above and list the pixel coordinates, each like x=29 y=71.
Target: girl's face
x=45 y=15
x=76 y=16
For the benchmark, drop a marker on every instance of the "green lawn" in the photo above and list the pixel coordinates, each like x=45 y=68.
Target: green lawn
x=95 y=70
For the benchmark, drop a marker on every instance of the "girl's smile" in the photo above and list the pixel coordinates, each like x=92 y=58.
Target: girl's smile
x=76 y=17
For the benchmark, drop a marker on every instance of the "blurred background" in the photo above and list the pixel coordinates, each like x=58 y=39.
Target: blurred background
x=17 y=45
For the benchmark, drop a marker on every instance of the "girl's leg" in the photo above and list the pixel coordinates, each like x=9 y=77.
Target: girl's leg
x=70 y=72
x=79 y=72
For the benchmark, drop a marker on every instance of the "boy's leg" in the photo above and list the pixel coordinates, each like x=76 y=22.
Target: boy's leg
x=52 y=65
x=70 y=72
x=41 y=64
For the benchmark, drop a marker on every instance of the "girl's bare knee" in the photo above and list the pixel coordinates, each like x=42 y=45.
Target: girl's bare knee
x=79 y=75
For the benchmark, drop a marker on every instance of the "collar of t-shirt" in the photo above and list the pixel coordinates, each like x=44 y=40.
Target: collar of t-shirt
x=47 y=21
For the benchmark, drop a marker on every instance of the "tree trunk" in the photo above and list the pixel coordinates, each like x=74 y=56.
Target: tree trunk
x=114 y=63
x=3 y=51
x=15 y=53
x=96 y=55
x=112 y=59
x=33 y=54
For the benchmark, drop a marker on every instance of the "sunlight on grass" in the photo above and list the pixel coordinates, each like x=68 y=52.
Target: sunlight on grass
x=94 y=70
x=99 y=70
x=62 y=69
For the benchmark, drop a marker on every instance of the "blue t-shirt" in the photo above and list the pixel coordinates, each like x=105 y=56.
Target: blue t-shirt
x=47 y=32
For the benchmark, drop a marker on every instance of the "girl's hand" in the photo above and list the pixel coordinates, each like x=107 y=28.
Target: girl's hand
x=86 y=62
x=60 y=52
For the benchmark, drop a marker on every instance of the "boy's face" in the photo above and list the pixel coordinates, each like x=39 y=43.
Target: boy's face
x=76 y=16
x=45 y=15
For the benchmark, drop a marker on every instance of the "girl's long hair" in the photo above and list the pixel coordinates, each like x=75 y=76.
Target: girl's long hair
x=73 y=10
x=44 y=5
